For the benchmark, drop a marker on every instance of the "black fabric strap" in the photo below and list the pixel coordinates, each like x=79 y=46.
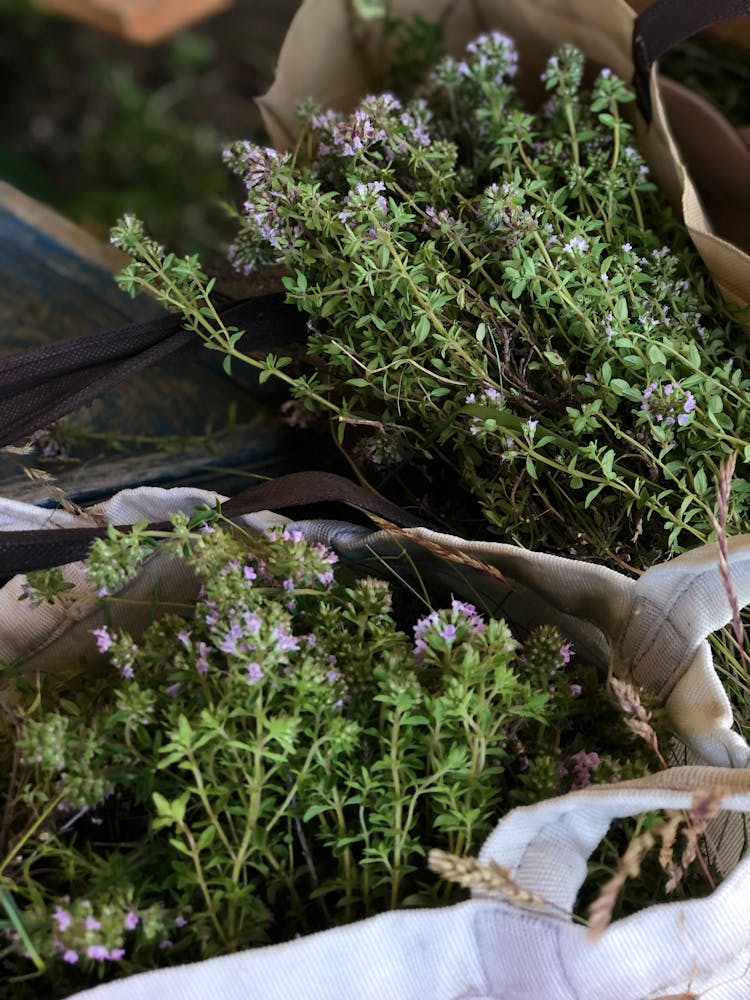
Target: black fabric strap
x=44 y=383
x=664 y=25
x=24 y=551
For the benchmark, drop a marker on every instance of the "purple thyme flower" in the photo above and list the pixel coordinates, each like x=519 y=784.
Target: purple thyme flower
x=229 y=643
x=252 y=621
x=131 y=920
x=583 y=764
x=97 y=951
x=92 y=924
x=62 y=918
x=103 y=638
x=116 y=954
x=254 y=672
x=70 y=956
x=201 y=663
x=473 y=620
x=285 y=642
x=576 y=243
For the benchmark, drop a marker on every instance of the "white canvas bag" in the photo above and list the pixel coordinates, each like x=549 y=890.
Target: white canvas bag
x=489 y=949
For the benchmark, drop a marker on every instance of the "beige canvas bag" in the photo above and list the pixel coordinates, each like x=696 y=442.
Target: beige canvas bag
x=697 y=158
x=651 y=630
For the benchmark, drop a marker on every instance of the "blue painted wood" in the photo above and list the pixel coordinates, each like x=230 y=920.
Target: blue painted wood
x=57 y=281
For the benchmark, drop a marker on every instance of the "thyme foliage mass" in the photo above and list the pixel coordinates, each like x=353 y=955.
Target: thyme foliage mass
x=505 y=294
x=277 y=760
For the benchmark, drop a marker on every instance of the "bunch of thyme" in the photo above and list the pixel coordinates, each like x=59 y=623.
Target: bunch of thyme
x=501 y=307
x=277 y=759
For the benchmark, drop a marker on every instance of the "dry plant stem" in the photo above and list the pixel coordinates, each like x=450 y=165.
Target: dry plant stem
x=493 y=878
x=705 y=806
x=723 y=487
x=638 y=717
x=600 y=911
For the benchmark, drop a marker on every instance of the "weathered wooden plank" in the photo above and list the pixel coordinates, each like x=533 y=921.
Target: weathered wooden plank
x=56 y=281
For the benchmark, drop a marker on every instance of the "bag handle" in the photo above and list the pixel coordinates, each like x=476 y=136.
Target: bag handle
x=44 y=383
x=32 y=549
x=664 y=25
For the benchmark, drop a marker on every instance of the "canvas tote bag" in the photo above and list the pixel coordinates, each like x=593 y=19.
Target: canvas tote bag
x=490 y=949
x=700 y=162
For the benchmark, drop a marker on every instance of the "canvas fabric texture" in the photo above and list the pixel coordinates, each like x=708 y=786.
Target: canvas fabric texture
x=489 y=949
x=698 y=159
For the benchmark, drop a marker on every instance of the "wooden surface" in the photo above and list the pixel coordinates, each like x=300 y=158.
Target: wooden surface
x=56 y=281
x=144 y=21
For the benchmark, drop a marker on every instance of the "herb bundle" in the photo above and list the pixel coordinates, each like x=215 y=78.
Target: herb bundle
x=277 y=760
x=501 y=307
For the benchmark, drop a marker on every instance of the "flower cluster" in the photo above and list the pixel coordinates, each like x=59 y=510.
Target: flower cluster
x=667 y=404
x=439 y=634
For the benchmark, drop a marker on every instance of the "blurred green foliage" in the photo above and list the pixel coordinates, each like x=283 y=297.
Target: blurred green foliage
x=98 y=127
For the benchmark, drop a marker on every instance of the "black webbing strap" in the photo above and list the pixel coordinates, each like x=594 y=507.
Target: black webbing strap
x=24 y=551
x=44 y=383
x=664 y=25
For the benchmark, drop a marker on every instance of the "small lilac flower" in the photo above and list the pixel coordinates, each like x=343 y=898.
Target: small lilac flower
x=70 y=956
x=566 y=651
x=252 y=621
x=165 y=944
x=201 y=663
x=249 y=573
x=448 y=632
x=229 y=643
x=184 y=636
x=474 y=620
x=62 y=918
x=583 y=764
x=626 y=247
x=131 y=920
x=254 y=672
x=576 y=243
x=284 y=641
x=115 y=954
x=92 y=924
x=127 y=672
x=180 y=921
x=97 y=951
x=575 y=690
x=103 y=638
